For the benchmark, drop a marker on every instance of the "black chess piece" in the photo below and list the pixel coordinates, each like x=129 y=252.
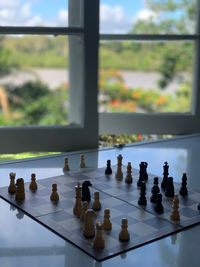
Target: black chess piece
x=145 y=164
x=154 y=190
x=169 y=190
x=108 y=170
x=198 y=207
x=183 y=190
x=159 y=205
x=142 y=199
x=86 y=191
x=165 y=175
x=142 y=174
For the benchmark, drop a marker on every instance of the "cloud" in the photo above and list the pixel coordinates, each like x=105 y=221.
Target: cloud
x=18 y=16
x=62 y=18
x=114 y=19
x=9 y=3
x=145 y=14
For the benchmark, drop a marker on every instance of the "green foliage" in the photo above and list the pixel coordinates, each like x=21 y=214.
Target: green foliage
x=35 y=104
x=6 y=59
x=38 y=51
x=120 y=98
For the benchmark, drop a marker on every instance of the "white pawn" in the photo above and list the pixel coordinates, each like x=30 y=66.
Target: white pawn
x=33 y=184
x=175 y=216
x=99 y=241
x=12 y=186
x=129 y=178
x=96 y=204
x=20 y=193
x=124 y=234
x=82 y=163
x=66 y=167
x=85 y=208
x=119 y=173
x=54 y=195
x=107 y=225
x=89 y=230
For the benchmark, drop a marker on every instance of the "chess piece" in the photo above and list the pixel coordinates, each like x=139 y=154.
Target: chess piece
x=20 y=193
x=124 y=234
x=129 y=178
x=89 y=230
x=78 y=205
x=145 y=164
x=108 y=170
x=107 y=225
x=183 y=190
x=66 y=166
x=33 y=184
x=119 y=173
x=54 y=195
x=175 y=216
x=12 y=186
x=84 y=209
x=142 y=199
x=143 y=176
x=169 y=190
x=165 y=175
x=159 y=206
x=98 y=241
x=82 y=163
x=86 y=191
x=154 y=190
x=96 y=204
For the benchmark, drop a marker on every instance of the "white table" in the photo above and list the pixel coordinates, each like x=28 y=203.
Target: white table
x=24 y=242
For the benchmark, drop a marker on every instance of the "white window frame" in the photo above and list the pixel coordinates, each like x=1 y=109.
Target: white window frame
x=82 y=132
x=157 y=123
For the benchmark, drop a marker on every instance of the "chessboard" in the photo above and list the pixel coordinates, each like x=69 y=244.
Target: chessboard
x=144 y=225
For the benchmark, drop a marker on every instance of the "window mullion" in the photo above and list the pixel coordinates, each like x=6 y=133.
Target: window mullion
x=149 y=37
x=42 y=30
x=196 y=85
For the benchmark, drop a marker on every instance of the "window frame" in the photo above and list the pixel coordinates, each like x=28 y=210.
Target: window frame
x=85 y=122
x=82 y=131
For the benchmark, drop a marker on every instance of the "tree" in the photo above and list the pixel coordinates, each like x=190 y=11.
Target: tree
x=170 y=17
x=6 y=62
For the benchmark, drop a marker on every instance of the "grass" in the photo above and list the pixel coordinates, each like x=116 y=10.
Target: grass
x=7 y=157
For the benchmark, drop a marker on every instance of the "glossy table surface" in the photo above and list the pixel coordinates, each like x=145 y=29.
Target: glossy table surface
x=24 y=242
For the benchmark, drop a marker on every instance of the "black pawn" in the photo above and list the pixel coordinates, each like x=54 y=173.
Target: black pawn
x=159 y=205
x=141 y=174
x=108 y=170
x=142 y=199
x=86 y=191
x=165 y=175
x=183 y=190
x=169 y=190
x=154 y=190
x=145 y=171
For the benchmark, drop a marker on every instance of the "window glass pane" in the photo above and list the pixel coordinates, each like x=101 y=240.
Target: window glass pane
x=145 y=77
x=51 y=13
x=33 y=80
x=148 y=16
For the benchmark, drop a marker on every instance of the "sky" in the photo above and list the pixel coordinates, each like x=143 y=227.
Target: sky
x=116 y=16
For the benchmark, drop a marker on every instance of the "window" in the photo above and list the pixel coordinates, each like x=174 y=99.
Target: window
x=82 y=30
x=158 y=26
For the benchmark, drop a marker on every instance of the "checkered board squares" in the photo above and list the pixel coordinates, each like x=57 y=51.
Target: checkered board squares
x=130 y=193
x=144 y=225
